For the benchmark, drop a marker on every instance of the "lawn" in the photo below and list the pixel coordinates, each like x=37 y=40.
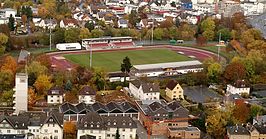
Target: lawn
x=111 y=61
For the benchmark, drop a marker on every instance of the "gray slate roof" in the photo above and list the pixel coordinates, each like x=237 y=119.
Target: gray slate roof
x=237 y=130
x=146 y=86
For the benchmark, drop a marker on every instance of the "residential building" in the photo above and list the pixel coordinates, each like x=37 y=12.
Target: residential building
x=55 y=96
x=174 y=90
x=260 y=120
x=239 y=87
x=46 y=23
x=143 y=90
x=105 y=127
x=68 y=23
x=6 y=12
x=21 y=93
x=32 y=126
x=169 y=119
x=257 y=131
x=87 y=95
x=237 y=132
x=205 y=8
x=74 y=112
x=122 y=23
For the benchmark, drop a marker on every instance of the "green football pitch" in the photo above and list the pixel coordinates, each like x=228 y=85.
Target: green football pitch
x=111 y=61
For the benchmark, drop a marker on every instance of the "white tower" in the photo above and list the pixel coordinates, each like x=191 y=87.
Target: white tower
x=21 y=93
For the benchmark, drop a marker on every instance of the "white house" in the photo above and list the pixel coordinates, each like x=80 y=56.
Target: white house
x=251 y=8
x=21 y=93
x=239 y=87
x=55 y=96
x=68 y=23
x=122 y=23
x=144 y=90
x=32 y=126
x=205 y=8
x=87 y=95
x=5 y=13
x=105 y=127
x=46 y=23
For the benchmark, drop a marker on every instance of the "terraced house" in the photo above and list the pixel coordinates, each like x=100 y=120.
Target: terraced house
x=74 y=112
x=32 y=126
x=105 y=127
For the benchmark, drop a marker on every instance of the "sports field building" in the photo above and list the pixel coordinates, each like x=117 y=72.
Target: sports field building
x=166 y=69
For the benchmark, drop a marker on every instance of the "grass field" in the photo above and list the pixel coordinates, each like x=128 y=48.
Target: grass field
x=111 y=61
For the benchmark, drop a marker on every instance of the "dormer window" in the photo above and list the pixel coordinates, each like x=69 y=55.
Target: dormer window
x=124 y=123
x=114 y=123
x=98 y=125
x=129 y=124
x=85 y=124
x=51 y=120
x=91 y=125
x=108 y=123
x=23 y=124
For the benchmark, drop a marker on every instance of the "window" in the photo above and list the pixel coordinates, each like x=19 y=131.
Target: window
x=108 y=135
x=55 y=137
x=174 y=92
x=131 y=129
x=8 y=131
x=114 y=123
x=91 y=125
x=37 y=130
x=33 y=130
x=29 y=130
x=45 y=130
x=91 y=131
x=100 y=137
x=124 y=129
x=51 y=120
x=56 y=131
x=22 y=80
x=130 y=136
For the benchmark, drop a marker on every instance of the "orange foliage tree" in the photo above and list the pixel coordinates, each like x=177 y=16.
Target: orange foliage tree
x=10 y=64
x=69 y=130
x=241 y=112
x=235 y=71
x=32 y=97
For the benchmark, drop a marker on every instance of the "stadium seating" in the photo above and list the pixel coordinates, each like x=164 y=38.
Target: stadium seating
x=123 y=44
x=99 y=45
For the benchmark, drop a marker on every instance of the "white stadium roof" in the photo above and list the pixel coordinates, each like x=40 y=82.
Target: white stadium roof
x=167 y=65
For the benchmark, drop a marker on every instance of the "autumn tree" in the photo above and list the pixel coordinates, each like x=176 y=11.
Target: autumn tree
x=84 y=75
x=9 y=64
x=214 y=72
x=133 y=18
x=241 y=112
x=235 y=71
x=249 y=36
x=32 y=97
x=158 y=34
x=70 y=129
x=84 y=33
x=167 y=23
x=99 y=78
x=70 y=97
x=207 y=27
x=201 y=40
x=96 y=33
x=7 y=97
x=24 y=19
x=59 y=35
x=42 y=83
x=186 y=32
x=216 y=124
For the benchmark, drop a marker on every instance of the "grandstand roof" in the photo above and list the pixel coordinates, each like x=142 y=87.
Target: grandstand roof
x=106 y=38
x=167 y=65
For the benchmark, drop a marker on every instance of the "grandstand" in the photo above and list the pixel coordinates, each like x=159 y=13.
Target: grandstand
x=108 y=42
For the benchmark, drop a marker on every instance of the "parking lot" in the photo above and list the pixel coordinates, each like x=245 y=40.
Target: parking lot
x=201 y=94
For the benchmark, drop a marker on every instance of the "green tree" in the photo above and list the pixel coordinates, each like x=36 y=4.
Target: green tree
x=214 y=72
x=208 y=24
x=11 y=22
x=68 y=85
x=72 y=35
x=208 y=34
x=256 y=110
x=125 y=67
x=36 y=68
x=250 y=35
x=158 y=33
x=216 y=123
x=117 y=135
x=3 y=41
x=90 y=25
x=7 y=97
x=96 y=33
x=6 y=80
x=59 y=35
x=225 y=34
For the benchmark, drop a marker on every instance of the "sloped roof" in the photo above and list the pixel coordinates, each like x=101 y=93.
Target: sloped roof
x=171 y=84
x=147 y=87
x=87 y=90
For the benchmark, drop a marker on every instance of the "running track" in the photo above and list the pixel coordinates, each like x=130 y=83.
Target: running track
x=59 y=63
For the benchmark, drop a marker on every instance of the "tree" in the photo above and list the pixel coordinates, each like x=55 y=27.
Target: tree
x=90 y=25
x=43 y=83
x=117 y=135
x=250 y=35
x=225 y=34
x=71 y=97
x=84 y=75
x=96 y=33
x=6 y=80
x=133 y=18
x=125 y=67
x=99 y=78
x=158 y=33
x=32 y=97
x=68 y=85
x=241 y=112
x=214 y=72
x=72 y=35
x=9 y=64
x=7 y=97
x=167 y=23
x=3 y=41
x=11 y=22
x=256 y=110
x=69 y=129
x=24 y=19
x=84 y=33
x=59 y=35
x=235 y=71
x=201 y=40
x=37 y=68
x=216 y=123
x=208 y=34
x=207 y=24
